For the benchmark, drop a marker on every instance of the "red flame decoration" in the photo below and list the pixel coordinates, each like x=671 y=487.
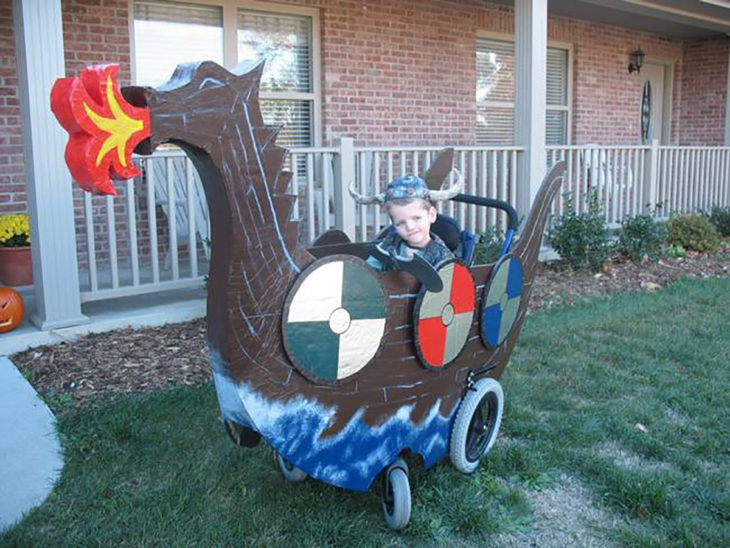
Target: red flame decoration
x=104 y=129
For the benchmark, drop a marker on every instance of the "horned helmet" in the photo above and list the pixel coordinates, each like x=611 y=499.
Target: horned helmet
x=410 y=186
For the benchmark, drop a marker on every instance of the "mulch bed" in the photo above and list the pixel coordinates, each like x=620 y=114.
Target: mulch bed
x=560 y=287
x=127 y=360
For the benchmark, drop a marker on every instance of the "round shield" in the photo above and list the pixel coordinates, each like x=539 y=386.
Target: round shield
x=501 y=301
x=443 y=319
x=334 y=318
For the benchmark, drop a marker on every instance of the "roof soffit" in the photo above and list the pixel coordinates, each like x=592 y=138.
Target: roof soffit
x=678 y=19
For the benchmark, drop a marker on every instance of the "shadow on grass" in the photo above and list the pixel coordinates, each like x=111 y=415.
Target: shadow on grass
x=643 y=375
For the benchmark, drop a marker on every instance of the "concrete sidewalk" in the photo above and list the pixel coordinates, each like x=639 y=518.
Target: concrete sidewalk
x=30 y=451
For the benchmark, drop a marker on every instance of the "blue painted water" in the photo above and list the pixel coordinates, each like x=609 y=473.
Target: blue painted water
x=353 y=457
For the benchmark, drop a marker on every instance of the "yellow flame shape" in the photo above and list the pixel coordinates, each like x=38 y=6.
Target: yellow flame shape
x=120 y=128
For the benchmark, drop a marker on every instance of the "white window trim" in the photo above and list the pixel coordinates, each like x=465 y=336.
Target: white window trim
x=230 y=48
x=569 y=95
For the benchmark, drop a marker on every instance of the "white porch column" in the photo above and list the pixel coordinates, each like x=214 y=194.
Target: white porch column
x=345 y=175
x=39 y=52
x=530 y=60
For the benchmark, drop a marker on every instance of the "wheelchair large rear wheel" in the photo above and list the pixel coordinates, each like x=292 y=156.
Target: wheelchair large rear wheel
x=476 y=425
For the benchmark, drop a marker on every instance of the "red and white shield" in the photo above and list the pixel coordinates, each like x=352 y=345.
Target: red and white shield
x=443 y=320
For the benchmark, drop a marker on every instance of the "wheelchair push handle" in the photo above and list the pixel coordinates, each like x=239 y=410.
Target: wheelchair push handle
x=513 y=220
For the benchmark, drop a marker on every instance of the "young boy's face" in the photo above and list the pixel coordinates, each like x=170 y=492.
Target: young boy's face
x=412 y=221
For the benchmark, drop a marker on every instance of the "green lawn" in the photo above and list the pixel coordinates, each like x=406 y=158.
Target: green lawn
x=630 y=396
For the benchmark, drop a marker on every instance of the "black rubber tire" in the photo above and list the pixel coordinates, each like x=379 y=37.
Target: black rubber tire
x=476 y=425
x=289 y=471
x=396 y=495
x=241 y=435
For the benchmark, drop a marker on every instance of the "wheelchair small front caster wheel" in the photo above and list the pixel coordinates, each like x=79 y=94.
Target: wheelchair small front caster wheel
x=396 y=495
x=241 y=435
x=289 y=471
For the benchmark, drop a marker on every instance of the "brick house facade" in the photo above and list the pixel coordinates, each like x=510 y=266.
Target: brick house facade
x=403 y=73
x=705 y=78
x=12 y=179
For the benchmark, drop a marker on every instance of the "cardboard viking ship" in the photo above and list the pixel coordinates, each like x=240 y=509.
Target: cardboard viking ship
x=340 y=368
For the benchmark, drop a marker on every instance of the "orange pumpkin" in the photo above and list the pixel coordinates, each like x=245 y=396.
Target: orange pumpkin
x=11 y=309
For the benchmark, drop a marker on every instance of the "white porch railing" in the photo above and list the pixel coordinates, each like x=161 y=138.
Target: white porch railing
x=629 y=180
x=313 y=184
x=132 y=241
x=142 y=241
x=691 y=179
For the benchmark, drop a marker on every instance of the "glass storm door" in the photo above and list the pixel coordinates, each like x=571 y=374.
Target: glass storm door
x=652 y=103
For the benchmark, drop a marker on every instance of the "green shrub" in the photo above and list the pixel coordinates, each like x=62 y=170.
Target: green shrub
x=582 y=239
x=676 y=251
x=720 y=218
x=641 y=235
x=693 y=232
x=489 y=246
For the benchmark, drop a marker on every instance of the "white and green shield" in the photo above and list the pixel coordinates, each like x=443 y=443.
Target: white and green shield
x=334 y=318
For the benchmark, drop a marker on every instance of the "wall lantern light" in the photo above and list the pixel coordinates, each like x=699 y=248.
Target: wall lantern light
x=637 y=59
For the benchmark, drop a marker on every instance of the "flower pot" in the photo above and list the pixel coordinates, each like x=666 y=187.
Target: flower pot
x=16 y=266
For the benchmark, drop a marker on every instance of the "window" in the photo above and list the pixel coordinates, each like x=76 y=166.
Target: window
x=167 y=33
x=495 y=93
x=287 y=97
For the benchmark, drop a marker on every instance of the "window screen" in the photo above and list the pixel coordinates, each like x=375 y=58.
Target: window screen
x=167 y=33
x=495 y=94
x=287 y=98
x=295 y=116
x=284 y=42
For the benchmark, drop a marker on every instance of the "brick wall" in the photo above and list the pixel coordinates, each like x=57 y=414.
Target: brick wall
x=705 y=73
x=399 y=72
x=606 y=98
x=96 y=31
x=12 y=179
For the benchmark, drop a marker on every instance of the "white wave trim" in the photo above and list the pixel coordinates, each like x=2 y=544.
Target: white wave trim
x=229 y=401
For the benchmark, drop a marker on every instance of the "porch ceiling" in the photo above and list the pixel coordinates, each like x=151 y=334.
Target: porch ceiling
x=679 y=19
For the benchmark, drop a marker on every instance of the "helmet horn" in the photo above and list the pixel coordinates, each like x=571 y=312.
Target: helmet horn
x=450 y=192
x=365 y=200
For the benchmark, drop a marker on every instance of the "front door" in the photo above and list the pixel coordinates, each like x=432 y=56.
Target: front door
x=653 y=96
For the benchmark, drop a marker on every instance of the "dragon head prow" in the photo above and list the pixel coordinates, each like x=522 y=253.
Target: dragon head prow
x=528 y=247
